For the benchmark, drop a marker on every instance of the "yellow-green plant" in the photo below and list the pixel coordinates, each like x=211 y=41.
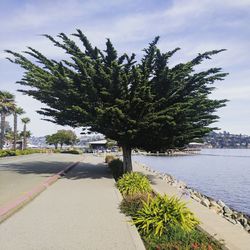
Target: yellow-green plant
x=134 y=183
x=161 y=213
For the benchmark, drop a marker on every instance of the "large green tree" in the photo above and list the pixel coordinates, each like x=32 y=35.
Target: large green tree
x=144 y=104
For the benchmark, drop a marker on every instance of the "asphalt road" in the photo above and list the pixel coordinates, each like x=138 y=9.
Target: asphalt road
x=19 y=174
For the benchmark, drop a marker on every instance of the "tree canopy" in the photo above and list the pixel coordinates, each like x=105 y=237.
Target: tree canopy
x=61 y=137
x=144 y=104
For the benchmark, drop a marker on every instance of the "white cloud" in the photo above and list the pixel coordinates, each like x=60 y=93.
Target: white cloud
x=38 y=14
x=233 y=93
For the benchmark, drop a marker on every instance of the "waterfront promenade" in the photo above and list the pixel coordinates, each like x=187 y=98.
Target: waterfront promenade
x=79 y=211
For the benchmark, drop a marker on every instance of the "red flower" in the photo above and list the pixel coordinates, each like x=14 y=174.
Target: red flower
x=195 y=245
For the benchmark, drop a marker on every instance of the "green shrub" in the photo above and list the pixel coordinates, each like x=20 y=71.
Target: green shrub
x=30 y=151
x=56 y=150
x=109 y=158
x=18 y=152
x=162 y=213
x=73 y=151
x=133 y=183
x=8 y=152
x=177 y=238
x=3 y=153
x=116 y=167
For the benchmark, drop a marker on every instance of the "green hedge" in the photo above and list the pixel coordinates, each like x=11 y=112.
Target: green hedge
x=7 y=152
x=73 y=151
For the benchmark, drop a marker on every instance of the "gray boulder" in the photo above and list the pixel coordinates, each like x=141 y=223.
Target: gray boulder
x=247 y=228
x=221 y=203
x=227 y=210
x=232 y=221
x=205 y=202
x=243 y=221
x=194 y=197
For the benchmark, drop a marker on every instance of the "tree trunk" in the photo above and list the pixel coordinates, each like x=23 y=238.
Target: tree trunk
x=24 y=137
x=2 y=130
x=56 y=146
x=127 y=160
x=15 y=131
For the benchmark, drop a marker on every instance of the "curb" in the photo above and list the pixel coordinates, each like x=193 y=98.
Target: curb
x=132 y=228
x=10 y=208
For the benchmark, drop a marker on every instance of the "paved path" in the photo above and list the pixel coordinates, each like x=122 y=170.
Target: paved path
x=235 y=238
x=79 y=211
x=20 y=174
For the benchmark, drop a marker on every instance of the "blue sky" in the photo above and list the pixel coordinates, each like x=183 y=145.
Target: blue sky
x=195 y=26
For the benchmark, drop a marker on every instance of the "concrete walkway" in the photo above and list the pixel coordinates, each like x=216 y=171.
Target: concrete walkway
x=20 y=174
x=80 y=211
x=235 y=238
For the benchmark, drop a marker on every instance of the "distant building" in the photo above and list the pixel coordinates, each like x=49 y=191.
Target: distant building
x=98 y=145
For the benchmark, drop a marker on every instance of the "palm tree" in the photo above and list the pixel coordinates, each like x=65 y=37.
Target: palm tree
x=7 y=105
x=17 y=111
x=25 y=121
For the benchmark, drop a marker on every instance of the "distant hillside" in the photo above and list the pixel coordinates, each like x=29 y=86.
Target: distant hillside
x=227 y=140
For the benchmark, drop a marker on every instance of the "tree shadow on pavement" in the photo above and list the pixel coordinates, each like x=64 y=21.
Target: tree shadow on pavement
x=90 y=171
x=46 y=169
x=35 y=167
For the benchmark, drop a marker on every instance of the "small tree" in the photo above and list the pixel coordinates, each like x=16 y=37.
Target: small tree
x=52 y=140
x=25 y=121
x=147 y=105
x=67 y=137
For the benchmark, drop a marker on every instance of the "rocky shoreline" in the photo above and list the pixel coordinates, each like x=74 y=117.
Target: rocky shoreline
x=235 y=217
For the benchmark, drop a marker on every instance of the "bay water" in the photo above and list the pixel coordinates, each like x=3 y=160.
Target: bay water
x=218 y=173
